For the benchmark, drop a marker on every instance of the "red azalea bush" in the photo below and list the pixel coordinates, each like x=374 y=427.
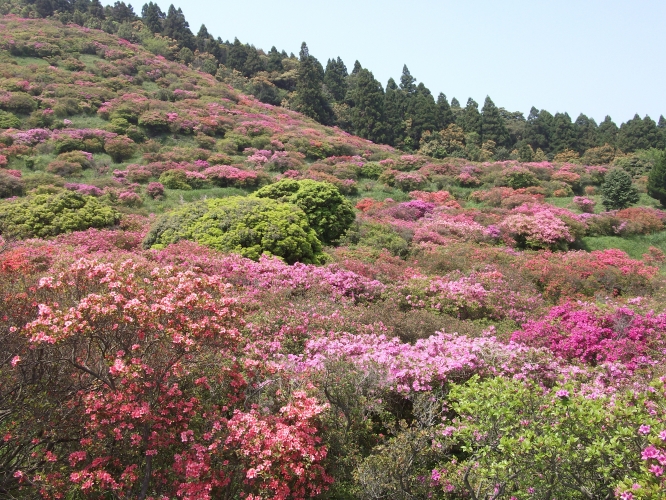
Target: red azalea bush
x=127 y=412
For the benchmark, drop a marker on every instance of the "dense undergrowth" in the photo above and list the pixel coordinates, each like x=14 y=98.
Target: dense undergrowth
x=192 y=309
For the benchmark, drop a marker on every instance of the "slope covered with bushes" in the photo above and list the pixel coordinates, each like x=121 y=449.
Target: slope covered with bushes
x=206 y=296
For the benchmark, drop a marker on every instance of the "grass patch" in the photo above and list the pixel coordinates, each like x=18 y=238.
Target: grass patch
x=87 y=121
x=635 y=246
x=27 y=61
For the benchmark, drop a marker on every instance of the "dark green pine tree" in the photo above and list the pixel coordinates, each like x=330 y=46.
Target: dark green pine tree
x=444 y=113
x=357 y=67
x=407 y=81
x=237 y=56
x=422 y=113
x=153 y=17
x=470 y=119
x=311 y=101
x=393 y=112
x=538 y=129
x=120 y=12
x=607 y=132
x=493 y=127
x=176 y=27
x=587 y=132
x=253 y=63
x=96 y=9
x=367 y=115
x=335 y=78
x=656 y=186
x=564 y=135
x=661 y=126
x=274 y=62
x=637 y=134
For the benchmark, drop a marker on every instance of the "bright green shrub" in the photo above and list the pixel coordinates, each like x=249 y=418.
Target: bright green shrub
x=330 y=214
x=9 y=120
x=175 y=179
x=66 y=144
x=120 y=148
x=617 y=191
x=517 y=178
x=245 y=225
x=51 y=214
x=371 y=170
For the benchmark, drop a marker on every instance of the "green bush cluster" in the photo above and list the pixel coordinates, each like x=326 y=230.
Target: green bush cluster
x=9 y=120
x=44 y=215
x=244 y=225
x=330 y=214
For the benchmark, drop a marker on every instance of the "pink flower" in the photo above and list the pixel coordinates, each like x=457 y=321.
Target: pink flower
x=644 y=429
x=562 y=393
x=15 y=361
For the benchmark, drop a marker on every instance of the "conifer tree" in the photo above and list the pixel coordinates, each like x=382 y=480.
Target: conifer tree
x=444 y=113
x=253 y=63
x=608 y=131
x=311 y=101
x=176 y=27
x=470 y=118
x=335 y=78
x=492 y=124
x=393 y=112
x=563 y=134
x=538 y=129
x=639 y=133
x=237 y=56
x=422 y=113
x=656 y=186
x=587 y=133
x=617 y=190
x=274 y=60
x=153 y=17
x=407 y=81
x=368 y=111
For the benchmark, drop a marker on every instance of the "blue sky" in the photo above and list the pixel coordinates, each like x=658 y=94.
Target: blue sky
x=590 y=56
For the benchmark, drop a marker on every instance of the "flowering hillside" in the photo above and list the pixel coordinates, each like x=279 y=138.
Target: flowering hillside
x=204 y=296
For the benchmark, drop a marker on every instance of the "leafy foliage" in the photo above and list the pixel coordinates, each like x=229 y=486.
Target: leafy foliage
x=45 y=215
x=248 y=226
x=328 y=212
x=618 y=191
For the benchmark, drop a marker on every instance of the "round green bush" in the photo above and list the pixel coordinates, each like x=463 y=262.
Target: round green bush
x=9 y=120
x=330 y=214
x=244 y=225
x=45 y=215
x=175 y=179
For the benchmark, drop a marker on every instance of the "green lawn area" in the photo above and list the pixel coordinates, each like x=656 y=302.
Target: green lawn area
x=635 y=246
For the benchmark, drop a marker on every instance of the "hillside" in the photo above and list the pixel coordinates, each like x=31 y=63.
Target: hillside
x=207 y=296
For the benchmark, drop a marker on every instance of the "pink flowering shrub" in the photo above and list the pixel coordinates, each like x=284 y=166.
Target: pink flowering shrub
x=409 y=181
x=84 y=189
x=226 y=175
x=127 y=411
x=595 y=336
x=155 y=190
x=586 y=205
x=539 y=229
